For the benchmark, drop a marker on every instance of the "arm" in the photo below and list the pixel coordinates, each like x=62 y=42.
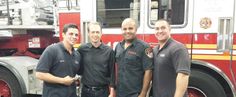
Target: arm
x=182 y=64
x=112 y=72
x=112 y=92
x=146 y=82
x=47 y=77
x=181 y=84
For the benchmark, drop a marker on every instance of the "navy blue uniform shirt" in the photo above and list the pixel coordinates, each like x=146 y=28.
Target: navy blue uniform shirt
x=132 y=63
x=57 y=61
x=170 y=60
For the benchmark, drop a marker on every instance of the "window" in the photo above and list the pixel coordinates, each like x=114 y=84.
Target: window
x=111 y=13
x=171 y=10
x=224 y=36
x=68 y=5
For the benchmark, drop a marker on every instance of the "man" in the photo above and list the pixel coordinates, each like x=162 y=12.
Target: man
x=98 y=65
x=134 y=65
x=171 y=64
x=59 y=64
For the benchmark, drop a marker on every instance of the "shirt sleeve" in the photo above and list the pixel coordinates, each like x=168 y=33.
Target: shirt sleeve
x=147 y=60
x=112 y=68
x=79 y=60
x=45 y=61
x=181 y=60
x=81 y=68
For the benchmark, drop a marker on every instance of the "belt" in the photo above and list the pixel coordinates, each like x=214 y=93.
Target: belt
x=95 y=88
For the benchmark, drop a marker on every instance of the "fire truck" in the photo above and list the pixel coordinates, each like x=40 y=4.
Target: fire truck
x=206 y=27
x=26 y=29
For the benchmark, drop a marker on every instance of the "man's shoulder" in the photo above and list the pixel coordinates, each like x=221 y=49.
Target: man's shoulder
x=118 y=45
x=107 y=47
x=155 y=48
x=177 y=44
x=142 y=43
x=54 y=46
x=83 y=46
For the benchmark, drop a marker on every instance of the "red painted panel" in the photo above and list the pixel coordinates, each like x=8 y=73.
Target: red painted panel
x=64 y=18
x=183 y=38
x=224 y=66
x=19 y=43
x=199 y=38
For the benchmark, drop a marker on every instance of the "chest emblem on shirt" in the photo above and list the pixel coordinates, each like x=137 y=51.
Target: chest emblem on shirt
x=62 y=61
x=132 y=52
x=162 y=55
x=76 y=62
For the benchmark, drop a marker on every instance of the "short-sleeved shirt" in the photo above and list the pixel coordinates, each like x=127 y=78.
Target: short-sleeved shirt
x=57 y=61
x=132 y=63
x=97 y=65
x=171 y=59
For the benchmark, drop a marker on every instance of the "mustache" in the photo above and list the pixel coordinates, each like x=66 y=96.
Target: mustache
x=130 y=33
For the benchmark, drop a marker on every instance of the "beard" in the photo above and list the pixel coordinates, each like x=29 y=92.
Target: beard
x=130 y=39
x=163 y=40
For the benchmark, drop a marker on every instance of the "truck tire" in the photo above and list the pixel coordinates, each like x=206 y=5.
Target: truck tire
x=202 y=84
x=9 y=84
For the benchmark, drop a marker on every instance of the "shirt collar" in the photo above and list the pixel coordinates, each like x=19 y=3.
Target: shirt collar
x=167 y=43
x=100 y=46
x=64 y=48
x=133 y=43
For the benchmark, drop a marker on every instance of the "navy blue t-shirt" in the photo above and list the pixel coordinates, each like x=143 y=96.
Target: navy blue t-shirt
x=171 y=59
x=57 y=61
x=132 y=63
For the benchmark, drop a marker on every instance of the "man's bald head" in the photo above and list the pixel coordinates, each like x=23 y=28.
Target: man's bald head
x=129 y=29
x=129 y=21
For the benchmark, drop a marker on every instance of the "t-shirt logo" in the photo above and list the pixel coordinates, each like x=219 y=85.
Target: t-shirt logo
x=162 y=55
x=76 y=62
x=62 y=61
x=132 y=53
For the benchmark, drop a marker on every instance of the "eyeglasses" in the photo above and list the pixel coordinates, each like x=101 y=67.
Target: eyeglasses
x=71 y=34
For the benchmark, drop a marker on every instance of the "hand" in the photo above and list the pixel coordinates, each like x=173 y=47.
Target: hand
x=110 y=95
x=68 y=80
x=112 y=92
x=142 y=95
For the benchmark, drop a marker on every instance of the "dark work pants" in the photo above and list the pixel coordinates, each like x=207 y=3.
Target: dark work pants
x=89 y=92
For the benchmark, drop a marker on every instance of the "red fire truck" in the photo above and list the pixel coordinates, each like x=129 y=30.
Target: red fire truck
x=26 y=29
x=206 y=27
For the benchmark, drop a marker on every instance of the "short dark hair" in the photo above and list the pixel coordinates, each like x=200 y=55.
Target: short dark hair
x=165 y=20
x=93 y=23
x=70 y=25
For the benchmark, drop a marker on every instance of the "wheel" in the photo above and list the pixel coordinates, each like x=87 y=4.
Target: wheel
x=202 y=84
x=9 y=85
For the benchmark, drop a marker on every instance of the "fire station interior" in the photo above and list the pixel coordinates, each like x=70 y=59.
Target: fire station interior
x=22 y=19
x=27 y=27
